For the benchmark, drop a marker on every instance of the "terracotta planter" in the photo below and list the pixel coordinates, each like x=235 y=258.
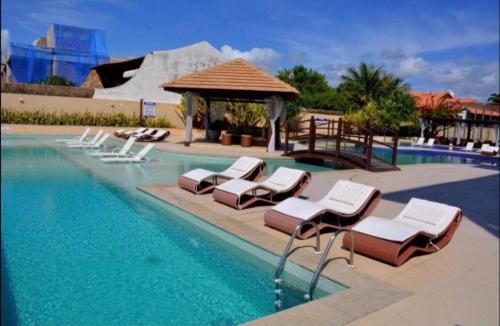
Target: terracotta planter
x=227 y=139
x=246 y=140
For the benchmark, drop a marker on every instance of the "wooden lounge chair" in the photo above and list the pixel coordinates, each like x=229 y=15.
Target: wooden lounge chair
x=422 y=226
x=200 y=181
x=342 y=206
x=91 y=142
x=140 y=157
x=126 y=134
x=143 y=135
x=283 y=183
x=75 y=139
x=122 y=152
x=159 y=136
x=97 y=144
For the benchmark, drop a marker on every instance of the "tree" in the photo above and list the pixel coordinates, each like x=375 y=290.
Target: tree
x=312 y=85
x=365 y=83
x=494 y=98
x=57 y=81
x=442 y=109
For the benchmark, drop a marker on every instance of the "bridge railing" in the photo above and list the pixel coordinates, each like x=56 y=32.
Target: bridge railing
x=340 y=134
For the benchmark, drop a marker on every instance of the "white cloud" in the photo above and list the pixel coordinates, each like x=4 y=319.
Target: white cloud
x=5 y=44
x=451 y=76
x=412 y=66
x=263 y=57
x=490 y=79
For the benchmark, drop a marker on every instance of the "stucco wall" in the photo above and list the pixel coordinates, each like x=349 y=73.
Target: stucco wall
x=24 y=102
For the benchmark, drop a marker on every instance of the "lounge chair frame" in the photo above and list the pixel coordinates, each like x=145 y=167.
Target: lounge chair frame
x=207 y=185
x=270 y=196
x=396 y=253
x=325 y=219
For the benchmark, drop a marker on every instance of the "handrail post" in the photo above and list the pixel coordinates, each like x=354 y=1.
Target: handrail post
x=312 y=134
x=339 y=136
x=395 y=149
x=369 y=150
x=286 y=138
x=319 y=269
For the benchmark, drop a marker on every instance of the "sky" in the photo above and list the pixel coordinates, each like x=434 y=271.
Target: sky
x=432 y=44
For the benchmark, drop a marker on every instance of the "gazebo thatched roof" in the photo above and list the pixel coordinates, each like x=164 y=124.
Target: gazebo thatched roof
x=235 y=79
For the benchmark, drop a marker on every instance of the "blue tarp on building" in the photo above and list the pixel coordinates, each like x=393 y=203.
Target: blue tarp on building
x=71 y=53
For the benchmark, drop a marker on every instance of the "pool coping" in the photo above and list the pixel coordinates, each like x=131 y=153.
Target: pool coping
x=364 y=294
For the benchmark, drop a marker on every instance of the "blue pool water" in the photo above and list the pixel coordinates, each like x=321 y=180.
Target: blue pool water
x=82 y=246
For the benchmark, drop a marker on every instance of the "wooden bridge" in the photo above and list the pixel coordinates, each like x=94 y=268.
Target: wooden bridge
x=342 y=142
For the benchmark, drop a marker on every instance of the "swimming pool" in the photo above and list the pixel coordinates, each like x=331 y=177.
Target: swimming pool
x=82 y=246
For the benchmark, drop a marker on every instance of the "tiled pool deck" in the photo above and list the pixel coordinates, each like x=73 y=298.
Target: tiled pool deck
x=458 y=285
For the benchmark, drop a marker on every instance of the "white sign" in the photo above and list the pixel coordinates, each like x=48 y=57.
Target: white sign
x=149 y=109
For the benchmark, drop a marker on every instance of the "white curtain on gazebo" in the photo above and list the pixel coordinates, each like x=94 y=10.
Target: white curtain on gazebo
x=188 y=133
x=497 y=135
x=276 y=108
x=423 y=125
x=460 y=126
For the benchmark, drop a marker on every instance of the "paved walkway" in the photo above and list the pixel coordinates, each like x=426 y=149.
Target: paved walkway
x=456 y=286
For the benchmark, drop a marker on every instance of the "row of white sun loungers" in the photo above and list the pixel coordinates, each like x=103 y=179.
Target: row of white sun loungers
x=146 y=134
x=122 y=155
x=422 y=226
x=421 y=142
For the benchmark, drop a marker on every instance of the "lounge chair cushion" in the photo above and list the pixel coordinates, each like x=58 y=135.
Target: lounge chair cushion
x=283 y=179
x=241 y=167
x=237 y=186
x=429 y=217
x=299 y=208
x=347 y=197
x=198 y=174
x=385 y=229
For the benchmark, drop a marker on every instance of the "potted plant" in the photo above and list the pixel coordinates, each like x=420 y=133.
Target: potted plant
x=244 y=118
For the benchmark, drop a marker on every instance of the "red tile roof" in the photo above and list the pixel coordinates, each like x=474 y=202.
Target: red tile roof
x=235 y=76
x=428 y=100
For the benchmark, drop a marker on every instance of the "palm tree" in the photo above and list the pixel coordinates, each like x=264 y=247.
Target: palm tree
x=494 y=98
x=368 y=80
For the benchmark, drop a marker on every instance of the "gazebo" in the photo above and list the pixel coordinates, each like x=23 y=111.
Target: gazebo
x=234 y=81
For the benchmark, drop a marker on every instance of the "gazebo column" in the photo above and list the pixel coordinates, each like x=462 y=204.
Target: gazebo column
x=188 y=133
x=207 y=117
x=275 y=106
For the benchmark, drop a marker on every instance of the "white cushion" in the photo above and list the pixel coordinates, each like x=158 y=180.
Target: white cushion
x=347 y=197
x=428 y=216
x=198 y=174
x=385 y=229
x=283 y=179
x=237 y=186
x=299 y=208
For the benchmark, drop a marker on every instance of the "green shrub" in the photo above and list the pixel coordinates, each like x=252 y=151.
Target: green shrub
x=81 y=119
x=57 y=81
x=48 y=90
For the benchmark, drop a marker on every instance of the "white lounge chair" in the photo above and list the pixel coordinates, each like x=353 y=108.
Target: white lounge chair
x=430 y=142
x=283 y=183
x=488 y=150
x=97 y=144
x=422 y=226
x=469 y=147
x=420 y=142
x=140 y=157
x=91 y=142
x=200 y=181
x=124 y=151
x=75 y=139
x=342 y=206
